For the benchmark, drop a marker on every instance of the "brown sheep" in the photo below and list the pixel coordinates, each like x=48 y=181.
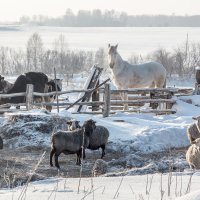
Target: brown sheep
x=193 y=155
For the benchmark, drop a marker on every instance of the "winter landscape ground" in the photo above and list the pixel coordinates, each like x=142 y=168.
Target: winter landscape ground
x=145 y=155
x=137 y=40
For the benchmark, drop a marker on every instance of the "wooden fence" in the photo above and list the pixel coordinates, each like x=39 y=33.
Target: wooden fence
x=109 y=101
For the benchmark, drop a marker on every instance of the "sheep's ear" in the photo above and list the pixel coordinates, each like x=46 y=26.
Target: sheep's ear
x=116 y=46
x=108 y=45
x=194 y=118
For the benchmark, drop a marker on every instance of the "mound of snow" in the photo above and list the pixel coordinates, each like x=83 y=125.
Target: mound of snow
x=143 y=132
x=30 y=129
x=191 y=196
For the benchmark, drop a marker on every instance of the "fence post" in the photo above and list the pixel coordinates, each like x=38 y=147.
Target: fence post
x=29 y=96
x=106 y=109
x=169 y=105
x=56 y=90
x=95 y=97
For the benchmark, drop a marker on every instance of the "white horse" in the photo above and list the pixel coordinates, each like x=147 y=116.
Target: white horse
x=125 y=75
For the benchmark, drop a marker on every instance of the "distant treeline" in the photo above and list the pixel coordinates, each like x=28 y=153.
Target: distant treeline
x=112 y=18
x=181 y=61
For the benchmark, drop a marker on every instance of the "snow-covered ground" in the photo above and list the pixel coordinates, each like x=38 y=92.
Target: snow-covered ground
x=135 y=131
x=138 y=40
x=129 y=133
x=150 y=187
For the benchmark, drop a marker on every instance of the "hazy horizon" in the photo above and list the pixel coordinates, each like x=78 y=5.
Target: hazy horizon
x=11 y=11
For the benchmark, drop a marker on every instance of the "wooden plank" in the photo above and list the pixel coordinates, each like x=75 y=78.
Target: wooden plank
x=133 y=110
x=106 y=108
x=130 y=97
x=29 y=96
x=56 y=89
x=78 y=91
x=145 y=90
x=95 y=97
x=115 y=102
x=112 y=102
x=69 y=103
x=12 y=104
x=89 y=84
x=155 y=90
x=59 y=93
x=13 y=95
x=11 y=110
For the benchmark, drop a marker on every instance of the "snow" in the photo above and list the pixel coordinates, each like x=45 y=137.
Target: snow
x=135 y=132
x=138 y=40
x=121 y=188
x=191 y=196
x=129 y=133
x=147 y=132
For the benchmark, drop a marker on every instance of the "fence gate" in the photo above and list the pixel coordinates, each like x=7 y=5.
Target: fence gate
x=91 y=83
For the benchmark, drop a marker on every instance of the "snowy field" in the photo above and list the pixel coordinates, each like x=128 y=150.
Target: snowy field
x=152 y=187
x=138 y=40
x=129 y=133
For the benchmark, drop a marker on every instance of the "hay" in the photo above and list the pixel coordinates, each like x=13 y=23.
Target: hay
x=100 y=167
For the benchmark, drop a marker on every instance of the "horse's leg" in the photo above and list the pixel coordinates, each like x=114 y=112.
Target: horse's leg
x=124 y=97
x=161 y=83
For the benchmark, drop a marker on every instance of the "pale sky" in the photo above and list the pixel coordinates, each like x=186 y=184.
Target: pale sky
x=12 y=10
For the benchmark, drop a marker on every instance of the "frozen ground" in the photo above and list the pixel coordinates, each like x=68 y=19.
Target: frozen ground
x=138 y=137
x=130 y=39
x=153 y=187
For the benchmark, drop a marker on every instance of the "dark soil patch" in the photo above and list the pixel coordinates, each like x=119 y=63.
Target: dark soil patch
x=17 y=165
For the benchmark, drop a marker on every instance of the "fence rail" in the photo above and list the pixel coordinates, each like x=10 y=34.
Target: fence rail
x=110 y=103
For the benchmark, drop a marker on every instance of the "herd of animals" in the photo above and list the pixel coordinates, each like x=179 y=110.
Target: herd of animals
x=78 y=138
x=95 y=137
x=40 y=81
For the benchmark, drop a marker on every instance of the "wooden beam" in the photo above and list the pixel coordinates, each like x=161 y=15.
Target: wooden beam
x=13 y=95
x=29 y=96
x=106 y=109
x=158 y=112
x=115 y=102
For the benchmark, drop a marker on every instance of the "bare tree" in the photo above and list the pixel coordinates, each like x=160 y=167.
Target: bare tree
x=61 y=46
x=101 y=58
x=5 y=60
x=34 y=52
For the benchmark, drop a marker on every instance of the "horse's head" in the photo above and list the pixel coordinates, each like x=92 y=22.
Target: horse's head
x=112 y=53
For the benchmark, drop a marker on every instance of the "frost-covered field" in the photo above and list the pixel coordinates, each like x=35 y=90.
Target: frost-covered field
x=131 y=39
x=131 y=134
x=153 y=187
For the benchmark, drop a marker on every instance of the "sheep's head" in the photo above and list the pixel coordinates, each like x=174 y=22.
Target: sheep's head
x=89 y=126
x=196 y=118
x=73 y=124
